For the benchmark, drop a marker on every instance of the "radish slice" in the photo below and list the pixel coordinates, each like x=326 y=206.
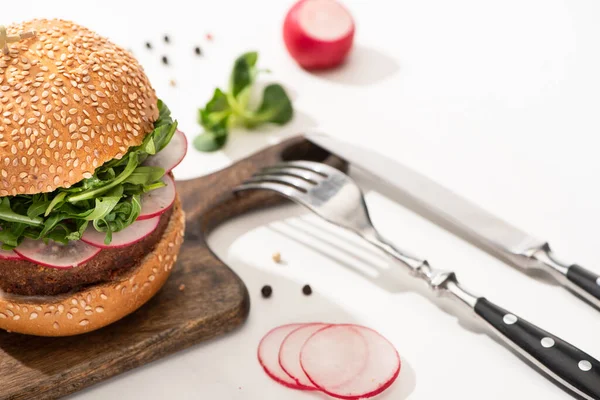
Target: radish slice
x=268 y=355
x=9 y=255
x=56 y=255
x=350 y=361
x=133 y=233
x=169 y=157
x=289 y=353
x=318 y=33
x=337 y=354
x=158 y=201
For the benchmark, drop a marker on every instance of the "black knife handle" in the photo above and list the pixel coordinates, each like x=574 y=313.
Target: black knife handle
x=585 y=279
x=579 y=280
x=575 y=369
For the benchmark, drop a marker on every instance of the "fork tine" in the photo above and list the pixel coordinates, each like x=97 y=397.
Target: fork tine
x=305 y=174
x=298 y=183
x=316 y=167
x=280 y=188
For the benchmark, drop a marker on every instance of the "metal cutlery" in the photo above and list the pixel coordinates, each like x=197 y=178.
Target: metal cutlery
x=334 y=197
x=467 y=219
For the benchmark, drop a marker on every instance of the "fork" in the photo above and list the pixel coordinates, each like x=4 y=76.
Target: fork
x=335 y=197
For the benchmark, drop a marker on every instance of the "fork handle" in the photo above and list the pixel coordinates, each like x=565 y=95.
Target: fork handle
x=564 y=362
x=571 y=367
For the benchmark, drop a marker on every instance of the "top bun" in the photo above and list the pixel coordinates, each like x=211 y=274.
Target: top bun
x=70 y=100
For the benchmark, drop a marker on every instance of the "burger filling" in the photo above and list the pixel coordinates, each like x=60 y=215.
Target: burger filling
x=109 y=200
x=41 y=231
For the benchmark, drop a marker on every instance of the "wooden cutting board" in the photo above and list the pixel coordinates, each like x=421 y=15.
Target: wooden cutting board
x=214 y=301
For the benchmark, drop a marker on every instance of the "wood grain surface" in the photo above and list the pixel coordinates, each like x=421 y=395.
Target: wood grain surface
x=214 y=301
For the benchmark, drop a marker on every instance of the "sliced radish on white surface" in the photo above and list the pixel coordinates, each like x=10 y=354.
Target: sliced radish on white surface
x=334 y=356
x=56 y=255
x=268 y=355
x=289 y=352
x=9 y=255
x=318 y=33
x=169 y=157
x=350 y=361
x=158 y=201
x=132 y=234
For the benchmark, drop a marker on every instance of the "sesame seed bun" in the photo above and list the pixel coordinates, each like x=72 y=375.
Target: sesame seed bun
x=99 y=305
x=70 y=100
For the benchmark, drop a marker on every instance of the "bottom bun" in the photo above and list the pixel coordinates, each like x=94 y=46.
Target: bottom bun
x=99 y=305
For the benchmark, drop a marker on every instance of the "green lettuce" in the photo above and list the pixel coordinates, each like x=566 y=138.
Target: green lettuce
x=229 y=109
x=109 y=200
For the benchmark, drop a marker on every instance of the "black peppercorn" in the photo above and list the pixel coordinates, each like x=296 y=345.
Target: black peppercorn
x=167 y=39
x=165 y=60
x=266 y=291
x=198 y=51
x=148 y=45
x=307 y=290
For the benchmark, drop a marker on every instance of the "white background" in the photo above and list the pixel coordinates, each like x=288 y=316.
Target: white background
x=498 y=100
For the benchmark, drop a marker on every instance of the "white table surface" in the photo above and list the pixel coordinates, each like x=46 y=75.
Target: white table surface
x=498 y=100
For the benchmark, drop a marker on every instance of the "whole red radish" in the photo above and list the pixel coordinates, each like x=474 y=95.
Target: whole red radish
x=318 y=33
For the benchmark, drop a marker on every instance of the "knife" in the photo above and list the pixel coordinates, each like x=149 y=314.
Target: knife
x=461 y=216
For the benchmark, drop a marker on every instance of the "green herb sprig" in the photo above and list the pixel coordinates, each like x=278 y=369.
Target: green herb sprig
x=226 y=110
x=110 y=199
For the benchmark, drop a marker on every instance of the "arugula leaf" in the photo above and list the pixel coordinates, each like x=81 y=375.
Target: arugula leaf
x=110 y=199
x=94 y=192
x=229 y=109
x=162 y=136
x=145 y=175
x=7 y=214
x=37 y=208
x=10 y=239
x=103 y=207
x=78 y=233
x=58 y=199
x=153 y=186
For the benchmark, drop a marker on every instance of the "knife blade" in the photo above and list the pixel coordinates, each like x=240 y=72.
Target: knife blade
x=465 y=218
